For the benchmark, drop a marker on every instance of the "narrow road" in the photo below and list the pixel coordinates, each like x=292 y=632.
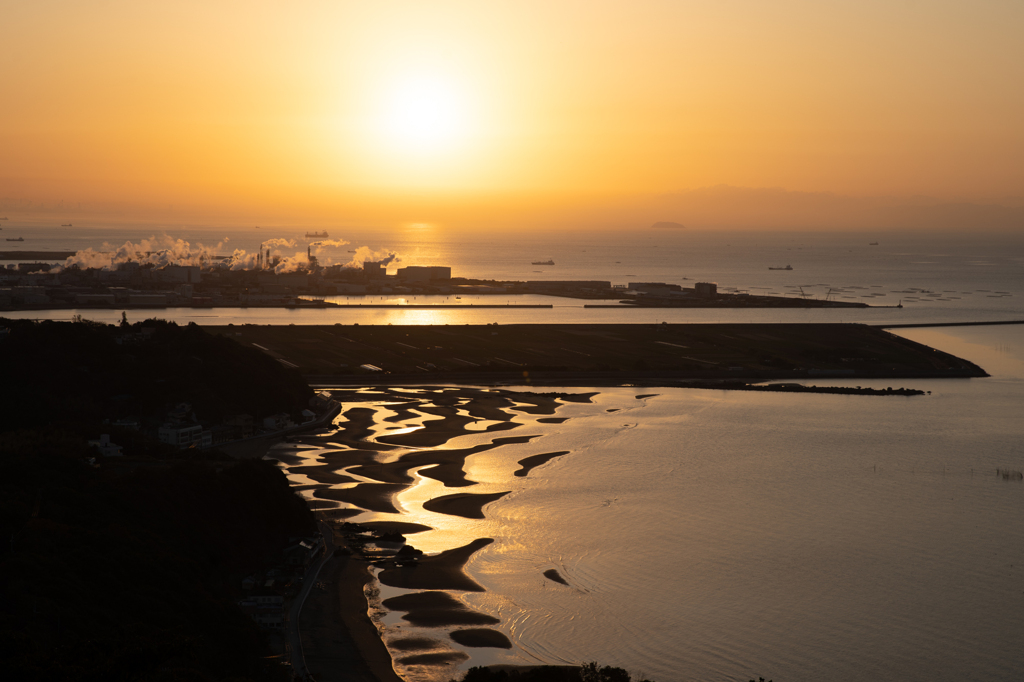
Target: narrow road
x=294 y=639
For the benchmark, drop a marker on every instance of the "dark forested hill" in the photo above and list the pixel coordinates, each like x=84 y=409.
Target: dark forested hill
x=63 y=373
x=128 y=568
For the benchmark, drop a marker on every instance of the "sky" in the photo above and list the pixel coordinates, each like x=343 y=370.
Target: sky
x=526 y=113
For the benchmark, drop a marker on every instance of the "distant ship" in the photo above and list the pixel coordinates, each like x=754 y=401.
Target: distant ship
x=788 y=267
x=543 y=262
x=19 y=239
x=68 y=225
x=873 y=244
x=316 y=235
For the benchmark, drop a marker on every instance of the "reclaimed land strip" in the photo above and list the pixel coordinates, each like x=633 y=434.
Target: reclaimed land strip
x=434 y=306
x=36 y=255
x=947 y=324
x=597 y=354
x=800 y=388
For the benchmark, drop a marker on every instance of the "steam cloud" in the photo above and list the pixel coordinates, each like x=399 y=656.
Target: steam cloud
x=365 y=253
x=154 y=251
x=163 y=251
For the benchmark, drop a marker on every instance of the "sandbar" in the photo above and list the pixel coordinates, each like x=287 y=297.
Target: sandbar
x=466 y=505
x=481 y=637
x=553 y=574
x=371 y=496
x=441 y=571
x=437 y=609
x=527 y=464
x=400 y=527
x=439 y=658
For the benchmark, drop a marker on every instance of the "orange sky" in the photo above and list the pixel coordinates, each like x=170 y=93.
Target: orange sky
x=453 y=111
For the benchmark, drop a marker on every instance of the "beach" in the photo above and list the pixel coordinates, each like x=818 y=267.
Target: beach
x=360 y=466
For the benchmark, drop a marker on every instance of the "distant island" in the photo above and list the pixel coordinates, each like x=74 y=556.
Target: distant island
x=669 y=225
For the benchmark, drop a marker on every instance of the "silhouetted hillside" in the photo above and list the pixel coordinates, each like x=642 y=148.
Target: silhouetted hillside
x=114 y=574
x=63 y=374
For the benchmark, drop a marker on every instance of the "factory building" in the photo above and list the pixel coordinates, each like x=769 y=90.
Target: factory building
x=654 y=287
x=424 y=273
x=375 y=270
x=706 y=289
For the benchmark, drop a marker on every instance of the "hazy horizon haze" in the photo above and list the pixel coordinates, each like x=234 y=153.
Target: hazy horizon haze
x=511 y=115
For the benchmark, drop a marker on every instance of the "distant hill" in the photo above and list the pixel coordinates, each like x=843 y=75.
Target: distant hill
x=669 y=225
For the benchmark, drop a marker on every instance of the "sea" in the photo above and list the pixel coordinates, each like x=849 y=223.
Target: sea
x=721 y=535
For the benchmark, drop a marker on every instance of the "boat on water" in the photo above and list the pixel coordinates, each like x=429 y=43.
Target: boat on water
x=873 y=244
x=316 y=235
x=68 y=225
x=788 y=267
x=18 y=239
x=543 y=262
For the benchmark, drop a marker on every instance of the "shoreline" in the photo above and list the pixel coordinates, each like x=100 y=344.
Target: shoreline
x=441 y=624
x=361 y=451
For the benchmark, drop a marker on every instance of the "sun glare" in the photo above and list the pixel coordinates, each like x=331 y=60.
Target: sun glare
x=425 y=115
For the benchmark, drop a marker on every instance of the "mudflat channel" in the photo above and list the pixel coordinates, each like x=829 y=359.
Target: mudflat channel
x=357 y=468
x=391 y=439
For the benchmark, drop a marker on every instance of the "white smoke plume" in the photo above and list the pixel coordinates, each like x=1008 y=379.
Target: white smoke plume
x=154 y=251
x=365 y=253
x=279 y=242
x=321 y=247
x=239 y=260
x=162 y=251
x=292 y=263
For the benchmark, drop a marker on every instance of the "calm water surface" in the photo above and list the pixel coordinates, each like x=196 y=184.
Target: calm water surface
x=937 y=277
x=711 y=535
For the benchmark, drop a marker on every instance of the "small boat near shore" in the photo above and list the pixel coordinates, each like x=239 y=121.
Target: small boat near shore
x=788 y=267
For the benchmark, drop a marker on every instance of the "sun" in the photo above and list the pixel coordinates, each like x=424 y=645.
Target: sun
x=425 y=114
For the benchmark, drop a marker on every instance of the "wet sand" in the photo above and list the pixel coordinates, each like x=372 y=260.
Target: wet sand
x=339 y=641
x=434 y=609
x=365 y=466
x=482 y=637
x=466 y=505
x=441 y=571
x=527 y=464
x=371 y=496
x=553 y=574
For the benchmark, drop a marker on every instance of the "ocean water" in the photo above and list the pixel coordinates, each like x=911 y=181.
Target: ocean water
x=709 y=535
x=713 y=535
x=937 y=277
